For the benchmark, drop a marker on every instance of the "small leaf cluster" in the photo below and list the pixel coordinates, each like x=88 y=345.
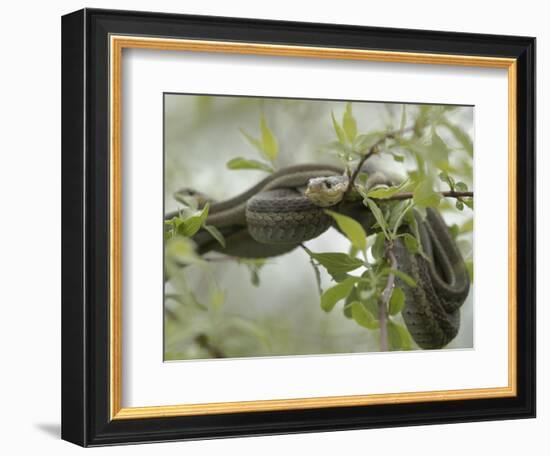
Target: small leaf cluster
x=457 y=187
x=349 y=144
x=361 y=294
x=390 y=216
x=266 y=145
x=425 y=139
x=196 y=319
x=190 y=220
x=438 y=144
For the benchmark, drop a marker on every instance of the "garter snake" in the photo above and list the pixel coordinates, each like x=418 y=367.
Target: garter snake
x=286 y=208
x=432 y=308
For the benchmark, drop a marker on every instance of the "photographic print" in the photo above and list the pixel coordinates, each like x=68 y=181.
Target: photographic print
x=228 y=216
x=304 y=227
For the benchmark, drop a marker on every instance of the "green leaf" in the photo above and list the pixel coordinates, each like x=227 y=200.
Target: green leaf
x=414 y=146
x=467 y=226
x=339 y=276
x=454 y=229
x=412 y=244
x=379 y=247
x=398 y=337
x=334 y=294
x=193 y=224
x=217 y=298
x=394 y=338
x=398 y=158
x=350 y=298
x=470 y=268
x=439 y=152
x=216 y=234
x=256 y=143
x=459 y=205
x=182 y=250
x=244 y=163
x=349 y=123
x=469 y=202
x=340 y=133
x=398 y=214
x=444 y=177
x=461 y=187
x=425 y=196
x=371 y=304
x=363 y=317
x=364 y=142
x=461 y=136
x=337 y=262
x=403 y=276
x=382 y=192
x=343 y=151
x=352 y=229
x=173 y=223
x=270 y=147
x=406 y=339
x=377 y=215
x=397 y=301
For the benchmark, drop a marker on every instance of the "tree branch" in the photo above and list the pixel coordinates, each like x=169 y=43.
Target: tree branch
x=447 y=194
x=372 y=150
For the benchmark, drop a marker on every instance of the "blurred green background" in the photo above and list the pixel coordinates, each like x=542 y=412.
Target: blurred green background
x=235 y=309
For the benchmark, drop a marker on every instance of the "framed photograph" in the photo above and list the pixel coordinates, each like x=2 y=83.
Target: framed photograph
x=279 y=227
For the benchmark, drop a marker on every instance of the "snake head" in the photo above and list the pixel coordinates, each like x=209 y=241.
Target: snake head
x=191 y=198
x=327 y=191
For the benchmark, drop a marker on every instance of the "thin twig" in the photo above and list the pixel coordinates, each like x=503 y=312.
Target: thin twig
x=372 y=150
x=385 y=299
x=364 y=158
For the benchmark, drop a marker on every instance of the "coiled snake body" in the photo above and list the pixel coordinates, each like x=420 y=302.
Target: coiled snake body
x=286 y=208
x=432 y=308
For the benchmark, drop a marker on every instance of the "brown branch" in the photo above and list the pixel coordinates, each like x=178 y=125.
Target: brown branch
x=364 y=158
x=385 y=299
x=372 y=150
x=447 y=194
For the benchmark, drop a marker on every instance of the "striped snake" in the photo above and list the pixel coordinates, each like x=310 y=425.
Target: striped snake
x=286 y=208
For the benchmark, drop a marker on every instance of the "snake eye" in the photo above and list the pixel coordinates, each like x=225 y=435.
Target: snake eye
x=328 y=185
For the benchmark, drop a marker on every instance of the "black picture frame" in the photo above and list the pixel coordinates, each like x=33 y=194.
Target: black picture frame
x=86 y=416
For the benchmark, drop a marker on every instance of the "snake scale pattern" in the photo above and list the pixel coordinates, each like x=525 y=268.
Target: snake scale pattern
x=432 y=308
x=275 y=216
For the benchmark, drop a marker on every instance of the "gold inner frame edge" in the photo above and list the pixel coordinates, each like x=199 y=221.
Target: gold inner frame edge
x=116 y=46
